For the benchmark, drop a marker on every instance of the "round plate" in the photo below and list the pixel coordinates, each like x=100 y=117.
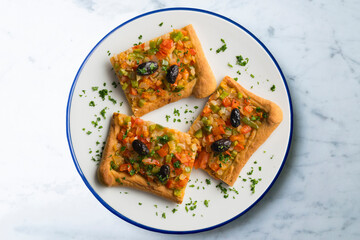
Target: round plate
x=207 y=204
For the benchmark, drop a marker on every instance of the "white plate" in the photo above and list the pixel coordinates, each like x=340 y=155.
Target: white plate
x=96 y=70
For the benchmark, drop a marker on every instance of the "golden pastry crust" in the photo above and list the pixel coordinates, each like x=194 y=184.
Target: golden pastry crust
x=206 y=82
x=256 y=137
x=201 y=85
x=112 y=177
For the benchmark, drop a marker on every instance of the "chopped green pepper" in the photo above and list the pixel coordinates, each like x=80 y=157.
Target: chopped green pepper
x=186 y=38
x=223 y=95
x=136 y=55
x=178 y=88
x=247 y=121
x=152 y=127
x=215 y=108
x=177 y=192
x=123 y=72
x=176 y=36
x=158 y=42
x=205 y=120
x=159 y=127
x=168 y=158
x=152 y=44
x=134 y=83
x=198 y=134
x=127 y=120
x=208 y=129
x=141 y=102
x=124 y=86
x=239 y=95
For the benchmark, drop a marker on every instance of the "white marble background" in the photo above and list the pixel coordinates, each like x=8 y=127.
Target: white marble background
x=317 y=44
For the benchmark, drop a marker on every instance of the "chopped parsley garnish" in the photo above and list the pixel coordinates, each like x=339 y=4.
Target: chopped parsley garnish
x=114 y=84
x=167 y=117
x=253 y=183
x=103 y=93
x=103 y=112
x=176 y=112
x=230 y=65
x=208 y=182
x=163 y=215
x=108 y=52
x=223 y=190
x=140 y=203
x=223 y=47
x=236 y=79
x=88 y=132
x=143 y=70
x=273 y=88
x=241 y=61
x=196 y=107
x=92 y=104
x=112 y=100
x=163 y=139
x=177 y=164
x=259 y=168
x=161 y=24
x=95 y=88
x=174 y=210
x=252 y=76
x=238 y=72
x=140 y=37
x=206 y=203
x=210 y=49
x=95 y=123
x=192 y=185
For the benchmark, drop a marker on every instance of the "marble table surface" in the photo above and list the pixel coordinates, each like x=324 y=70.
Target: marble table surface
x=316 y=43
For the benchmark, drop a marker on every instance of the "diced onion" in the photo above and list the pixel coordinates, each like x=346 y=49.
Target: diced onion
x=198 y=125
x=143 y=85
x=181 y=145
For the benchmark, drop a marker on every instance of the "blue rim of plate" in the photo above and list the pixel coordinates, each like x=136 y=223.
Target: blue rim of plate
x=68 y=134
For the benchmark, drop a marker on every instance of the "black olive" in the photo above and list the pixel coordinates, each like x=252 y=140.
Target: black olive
x=172 y=73
x=221 y=145
x=140 y=147
x=235 y=118
x=147 y=68
x=164 y=173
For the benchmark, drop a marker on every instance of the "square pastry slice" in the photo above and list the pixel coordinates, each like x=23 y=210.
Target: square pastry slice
x=231 y=127
x=147 y=156
x=163 y=70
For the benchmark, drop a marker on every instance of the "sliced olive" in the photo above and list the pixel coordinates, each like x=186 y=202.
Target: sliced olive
x=172 y=73
x=221 y=145
x=147 y=68
x=235 y=118
x=164 y=173
x=140 y=147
